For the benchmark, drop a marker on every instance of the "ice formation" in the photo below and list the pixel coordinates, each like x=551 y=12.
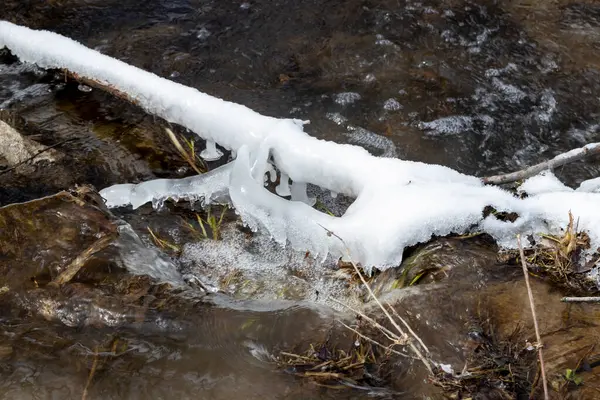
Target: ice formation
x=397 y=203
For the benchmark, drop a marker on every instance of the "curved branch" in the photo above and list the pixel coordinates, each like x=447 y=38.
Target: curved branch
x=560 y=160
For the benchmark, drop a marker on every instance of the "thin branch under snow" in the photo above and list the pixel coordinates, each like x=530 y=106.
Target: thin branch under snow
x=562 y=159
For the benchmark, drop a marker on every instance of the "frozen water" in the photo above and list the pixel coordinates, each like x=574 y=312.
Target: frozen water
x=206 y=188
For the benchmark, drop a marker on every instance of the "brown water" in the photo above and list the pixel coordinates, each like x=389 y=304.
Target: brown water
x=483 y=87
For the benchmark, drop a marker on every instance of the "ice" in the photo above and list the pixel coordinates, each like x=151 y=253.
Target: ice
x=397 y=203
x=211 y=153
x=283 y=189
x=207 y=187
x=141 y=260
x=298 y=193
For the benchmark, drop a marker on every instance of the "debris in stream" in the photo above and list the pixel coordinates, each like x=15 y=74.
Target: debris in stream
x=560 y=259
x=327 y=365
x=495 y=369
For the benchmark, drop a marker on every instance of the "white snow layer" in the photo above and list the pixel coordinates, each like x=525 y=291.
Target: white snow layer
x=398 y=203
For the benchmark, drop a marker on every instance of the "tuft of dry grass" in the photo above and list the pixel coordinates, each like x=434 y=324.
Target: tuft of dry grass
x=559 y=259
x=208 y=227
x=188 y=155
x=162 y=243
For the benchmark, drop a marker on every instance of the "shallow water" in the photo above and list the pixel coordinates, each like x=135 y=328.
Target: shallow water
x=484 y=87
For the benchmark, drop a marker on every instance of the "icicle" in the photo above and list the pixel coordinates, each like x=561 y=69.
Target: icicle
x=283 y=189
x=334 y=195
x=272 y=173
x=211 y=153
x=299 y=193
x=206 y=187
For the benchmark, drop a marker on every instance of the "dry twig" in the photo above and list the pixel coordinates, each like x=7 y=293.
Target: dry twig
x=560 y=160
x=580 y=299
x=533 y=314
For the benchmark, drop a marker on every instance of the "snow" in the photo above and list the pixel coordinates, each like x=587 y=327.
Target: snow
x=397 y=203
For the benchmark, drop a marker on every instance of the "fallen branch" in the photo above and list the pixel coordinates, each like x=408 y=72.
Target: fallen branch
x=562 y=159
x=580 y=299
x=533 y=314
x=100 y=85
x=558 y=161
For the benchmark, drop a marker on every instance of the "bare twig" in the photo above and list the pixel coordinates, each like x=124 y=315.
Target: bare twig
x=101 y=85
x=533 y=314
x=580 y=299
x=560 y=160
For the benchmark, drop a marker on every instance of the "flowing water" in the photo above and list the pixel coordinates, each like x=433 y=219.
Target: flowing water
x=481 y=86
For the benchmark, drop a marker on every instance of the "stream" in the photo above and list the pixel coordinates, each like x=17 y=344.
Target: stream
x=165 y=311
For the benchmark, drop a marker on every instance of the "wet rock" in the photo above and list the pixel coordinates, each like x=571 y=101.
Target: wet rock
x=17 y=149
x=39 y=239
x=113 y=334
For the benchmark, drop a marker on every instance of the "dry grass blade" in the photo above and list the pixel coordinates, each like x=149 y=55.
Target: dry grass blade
x=386 y=332
x=76 y=265
x=182 y=151
x=91 y=375
x=533 y=314
x=409 y=328
x=163 y=243
x=368 y=339
x=402 y=338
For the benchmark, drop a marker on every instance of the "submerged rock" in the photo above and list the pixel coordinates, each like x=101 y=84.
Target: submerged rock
x=17 y=149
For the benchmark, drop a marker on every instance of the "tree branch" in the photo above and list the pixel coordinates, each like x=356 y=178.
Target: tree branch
x=562 y=159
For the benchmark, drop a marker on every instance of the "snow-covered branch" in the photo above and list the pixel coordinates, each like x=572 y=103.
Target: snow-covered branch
x=581 y=153
x=397 y=203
